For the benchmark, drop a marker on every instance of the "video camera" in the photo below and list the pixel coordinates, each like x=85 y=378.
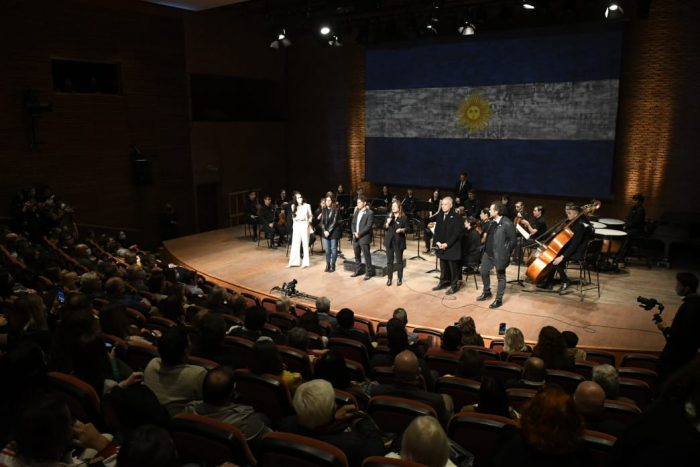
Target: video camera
x=650 y=303
x=290 y=288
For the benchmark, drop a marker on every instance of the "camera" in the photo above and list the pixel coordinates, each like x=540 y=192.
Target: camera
x=650 y=303
x=290 y=288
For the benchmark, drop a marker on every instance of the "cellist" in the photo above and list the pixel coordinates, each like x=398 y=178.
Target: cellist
x=574 y=249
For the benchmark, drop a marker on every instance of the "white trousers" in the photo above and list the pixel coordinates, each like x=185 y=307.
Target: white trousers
x=300 y=234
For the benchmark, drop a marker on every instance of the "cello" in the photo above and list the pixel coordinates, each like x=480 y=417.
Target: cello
x=539 y=268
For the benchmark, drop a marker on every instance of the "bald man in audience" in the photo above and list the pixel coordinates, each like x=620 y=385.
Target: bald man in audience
x=82 y=255
x=407 y=385
x=534 y=373
x=590 y=400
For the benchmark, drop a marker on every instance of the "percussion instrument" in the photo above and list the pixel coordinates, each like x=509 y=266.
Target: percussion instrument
x=616 y=224
x=612 y=240
x=597 y=225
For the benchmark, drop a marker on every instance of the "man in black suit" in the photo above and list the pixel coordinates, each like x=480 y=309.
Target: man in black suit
x=409 y=203
x=407 y=386
x=250 y=216
x=500 y=241
x=361 y=230
x=448 y=232
x=461 y=189
x=472 y=206
x=268 y=220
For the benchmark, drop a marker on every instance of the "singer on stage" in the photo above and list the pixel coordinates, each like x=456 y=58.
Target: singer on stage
x=448 y=233
x=395 y=241
x=500 y=241
x=331 y=231
x=302 y=216
x=361 y=230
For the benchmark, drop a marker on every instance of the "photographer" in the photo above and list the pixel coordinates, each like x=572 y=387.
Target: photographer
x=682 y=338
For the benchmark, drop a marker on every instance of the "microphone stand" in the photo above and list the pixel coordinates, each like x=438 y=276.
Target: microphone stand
x=417 y=225
x=437 y=266
x=520 y=261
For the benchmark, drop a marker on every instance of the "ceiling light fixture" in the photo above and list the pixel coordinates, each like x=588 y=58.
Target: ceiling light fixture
x=467 y=29
x=325 y=30
x=335 y=42
x=529 y=4
x=281 y=40
x=614 y=11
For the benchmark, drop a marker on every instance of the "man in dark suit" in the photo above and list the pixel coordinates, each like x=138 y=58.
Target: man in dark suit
x=461 y=190
x=408 y=386
x=250 y=216
x=500 y=241
x=361 y=230
x=448 y=232
x=268 y=220
x=346 y=329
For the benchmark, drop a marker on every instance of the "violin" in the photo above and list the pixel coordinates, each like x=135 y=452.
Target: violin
x=282 y=219
x=540 y=263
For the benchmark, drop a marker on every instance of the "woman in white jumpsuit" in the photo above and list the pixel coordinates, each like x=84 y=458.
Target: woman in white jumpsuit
x=302 y=217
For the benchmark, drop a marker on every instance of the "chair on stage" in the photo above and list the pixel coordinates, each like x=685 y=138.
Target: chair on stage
x=589 y=262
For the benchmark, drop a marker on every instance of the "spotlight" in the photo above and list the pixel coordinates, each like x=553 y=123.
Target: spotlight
x=325 y=30
x=431 y=25
x=529 y=4
x=335 y=42
x=614 y=11
x=467 y=29
x=281 y=40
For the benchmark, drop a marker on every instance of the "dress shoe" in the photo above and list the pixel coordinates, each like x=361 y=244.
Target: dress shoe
x=441 y=285
x=332 y=267
x=388 y=282
x=399 y=282
x=545 y=285
x=496 y=303
x=426 y=251
x=328 y=267
x=356 y=273
x=272 y=245
x=368 y=277
x=451 y=291
x=564 y=285
x=483 y=296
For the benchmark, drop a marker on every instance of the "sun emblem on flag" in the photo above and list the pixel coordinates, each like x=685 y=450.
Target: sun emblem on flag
x=474 y=112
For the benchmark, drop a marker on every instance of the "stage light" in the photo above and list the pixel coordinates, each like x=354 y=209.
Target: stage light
x=431 y=25
x=325 y=30
x=282 y=40
x=529 y=4
x=467 y=29
x=335 y=42
x=614 y=11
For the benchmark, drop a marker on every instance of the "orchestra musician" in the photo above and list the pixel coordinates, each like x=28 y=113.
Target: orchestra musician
x=471 y=244
x=250 y=215
x=409 y=204
x=510 y=211
x=331 y=231
x=535 y=228
x=361 y=231
x=430 y=220
x=268 y=221
x=520 y=214
x=386 y=196
x=574 y=248
x=634 y=225
x=448 y=232
x=395 y=241
x=462 y=187
x=500 y=241
x=472 y=206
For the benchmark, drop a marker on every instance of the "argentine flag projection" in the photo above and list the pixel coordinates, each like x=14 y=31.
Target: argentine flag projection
x=533 y=115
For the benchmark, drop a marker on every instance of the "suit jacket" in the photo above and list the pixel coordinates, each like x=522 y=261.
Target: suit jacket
x=471 y=247
x=464 y=192
x=365 y=230
x=449 y=230
x=504 y=240
x=409 y=205
x=392 y=238
x=582 y=233
x=329 y=222
x=267 y=214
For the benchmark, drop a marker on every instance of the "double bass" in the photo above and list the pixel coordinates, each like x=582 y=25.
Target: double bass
x=540 y=264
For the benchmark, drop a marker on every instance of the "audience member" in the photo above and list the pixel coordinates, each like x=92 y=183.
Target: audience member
x=331 y=367
x=91 y=285
x=402 y=316
x=115 y=322
x=492 y=400
x=590 y=400
x=217 y=402
x=27 y=322
x=470 y=365
x=514 y=341
x=323 y=310
x=425 y=442
x=469 y=334
x=114 y=289
x=99 y=368
x=451 y=341
x=173 y=308
x=217 y=301
x=136 y=276
x=346 y=329
x=551 y=347
x=148 y=446
x=533 y=377
x=255 y=319
x=264 y=358
x=318 y=417
x=571 y=342
x=171 y=379
x=136 y=406
x=608 y=378
x=212 y=334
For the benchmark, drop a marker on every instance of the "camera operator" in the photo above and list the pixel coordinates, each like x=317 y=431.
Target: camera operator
x=682 y=337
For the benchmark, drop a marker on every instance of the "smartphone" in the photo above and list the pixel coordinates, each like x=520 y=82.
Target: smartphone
x=61 y=297
x=502 y=329
x=109 y=346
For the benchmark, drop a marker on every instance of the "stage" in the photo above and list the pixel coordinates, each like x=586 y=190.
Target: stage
x=612 y=322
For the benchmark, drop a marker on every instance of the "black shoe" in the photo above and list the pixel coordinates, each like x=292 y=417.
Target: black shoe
x=356 y=273
x=545 y=285
x=426 y=251
x=564 y=286
x=451 y=291
x=332 y=267
x=368 y=277
x=328 y=267
x=388 y=282
x=399 y=282
x=272 y=245
x=441 y=285
x=496 y=303
x=484 y=296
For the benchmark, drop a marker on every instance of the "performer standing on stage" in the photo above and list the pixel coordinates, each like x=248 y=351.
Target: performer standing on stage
x=268 y=221
x=302 y=217
x=574 y=249
x=634 y=225
x=432 y=215
x=462 y=188
x=448 y=232
x=395 y=240
x=500 y=241
x=361 y=231
x=331 y=231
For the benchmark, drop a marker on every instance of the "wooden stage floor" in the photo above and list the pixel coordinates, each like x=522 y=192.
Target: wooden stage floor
x=614 y=321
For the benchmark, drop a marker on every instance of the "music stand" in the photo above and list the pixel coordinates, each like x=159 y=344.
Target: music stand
x=520 y=261
x=419 y=227
x=437 y=264
x=379 y=221
x=424 y=206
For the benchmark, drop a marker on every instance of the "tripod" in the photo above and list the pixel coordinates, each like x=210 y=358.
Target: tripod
x=416 y=223
x=520 y=260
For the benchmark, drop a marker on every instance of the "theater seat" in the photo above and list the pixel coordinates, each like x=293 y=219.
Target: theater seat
x=286 y=449
x=394 y=414
x=79 y=396
x=389 y=462
x=478 y=433
x=265 y=393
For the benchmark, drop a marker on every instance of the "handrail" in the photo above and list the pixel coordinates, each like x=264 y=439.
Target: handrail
x=237 y=213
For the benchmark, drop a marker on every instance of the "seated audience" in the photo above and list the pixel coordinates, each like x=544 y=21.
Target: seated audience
x=217 y=301
x=115 y=322
x=590 y=400
x=218 y=403
x=398 y=342
x=27 y=322
x=98 y=367
x=136 y=276
x=172 y=380
x=402 y=316
x=318 y=417
x=571 y=342
x=255 y=319
x=151 y=446
x=331 y=367
x=283 y=305
x=470 y=365
x=607 y=377
x=323 y=310
x=311 y=323
x=493 y=400
x=534 y=374
x=407 y=385
x=212 y=334
x=469 y=334
x=425 y=442
x=82 y=253
x=551 y=347
x=514 y=341
x=264 y=358
x=114 y=289
x=136 y=406
x=451 y=341
x=173 y=308
x=551 y=434
x=91 y=285
x=346 y=329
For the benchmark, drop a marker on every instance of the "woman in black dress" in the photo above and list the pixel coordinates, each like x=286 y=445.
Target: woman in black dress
x=395 y=240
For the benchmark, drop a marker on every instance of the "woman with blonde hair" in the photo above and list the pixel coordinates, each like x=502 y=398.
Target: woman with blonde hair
x=425 y=442
x=514 y=341
x=469 y=334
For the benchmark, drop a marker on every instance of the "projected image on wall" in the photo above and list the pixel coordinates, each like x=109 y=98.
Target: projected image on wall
x=531 y=115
